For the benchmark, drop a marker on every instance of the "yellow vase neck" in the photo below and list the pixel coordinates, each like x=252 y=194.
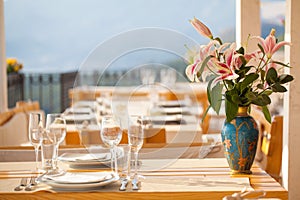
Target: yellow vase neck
x=242 y=111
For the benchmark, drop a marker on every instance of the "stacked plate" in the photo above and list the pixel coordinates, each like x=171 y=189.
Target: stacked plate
x=84 y=159
x=80 y=180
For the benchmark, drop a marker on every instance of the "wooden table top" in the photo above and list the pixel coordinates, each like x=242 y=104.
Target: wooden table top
x=164 y=178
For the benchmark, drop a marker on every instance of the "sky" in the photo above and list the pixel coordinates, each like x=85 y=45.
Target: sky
x=61 y=34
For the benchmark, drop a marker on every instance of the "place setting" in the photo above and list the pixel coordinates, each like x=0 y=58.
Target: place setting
x=100 y=166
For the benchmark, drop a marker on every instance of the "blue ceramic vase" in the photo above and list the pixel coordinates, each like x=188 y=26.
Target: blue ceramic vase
x=240 y=138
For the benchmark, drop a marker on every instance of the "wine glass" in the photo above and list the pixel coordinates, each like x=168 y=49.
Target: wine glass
x=35 y=130
x=111 y=134
x=56 y=132
x=135 y=138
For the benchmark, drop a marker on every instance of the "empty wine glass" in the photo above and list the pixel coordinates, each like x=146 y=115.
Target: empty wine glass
x=147 y=75
x=35 y=130
x=56 y=132
x=135 y=138
x=168 y=76
x=111 y=135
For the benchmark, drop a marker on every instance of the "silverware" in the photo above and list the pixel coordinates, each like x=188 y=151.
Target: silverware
x=31 y=184
x=22 y=184
x=124 y=182
x=135 y=184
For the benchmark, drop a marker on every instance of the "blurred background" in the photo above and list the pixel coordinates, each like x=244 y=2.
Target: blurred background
x=54 y=39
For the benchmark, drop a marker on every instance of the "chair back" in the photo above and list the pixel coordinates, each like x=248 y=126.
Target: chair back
x=151 y=135
x=155 y=135
x=272 y=147
x=269 y=152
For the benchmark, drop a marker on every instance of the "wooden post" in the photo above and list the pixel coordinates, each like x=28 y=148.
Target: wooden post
x=291 y=136
x=3 y=75
x=247 y=22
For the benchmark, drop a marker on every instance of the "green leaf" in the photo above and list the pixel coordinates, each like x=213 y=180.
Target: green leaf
x=280 y=63
x=261 y=48
x=241 y=50
x=216 y=97
x=260 y=86
x=229 y=83
x=285 y=78
x=251 y=95
x=268 y=92
x=205 y=113
x=242 y=71
x=208 y=90
x=204 y=64
x=272 y=76
x=266 y=113
x=262 y=100
x=231 y=110
x=244 y=62
x=248 y=80
x=262 y=75
x=278 y=88
x=236 y=99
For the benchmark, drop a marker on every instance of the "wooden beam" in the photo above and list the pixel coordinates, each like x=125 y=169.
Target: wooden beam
x=247 y=22
x=291 y=136
x=3 y=76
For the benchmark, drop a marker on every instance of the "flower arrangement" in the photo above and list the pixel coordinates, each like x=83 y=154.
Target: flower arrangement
x=238 y=77
x=13 y=65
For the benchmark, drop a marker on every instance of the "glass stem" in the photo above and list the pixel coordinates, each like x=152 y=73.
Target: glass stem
x=112 y=159
x=36 y=150
x=54 y=157
x=115 y=159
x=135 y=164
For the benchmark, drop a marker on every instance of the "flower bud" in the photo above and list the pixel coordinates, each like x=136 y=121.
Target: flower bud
x=201 y=28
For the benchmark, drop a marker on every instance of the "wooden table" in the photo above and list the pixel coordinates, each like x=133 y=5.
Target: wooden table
x=178 y=179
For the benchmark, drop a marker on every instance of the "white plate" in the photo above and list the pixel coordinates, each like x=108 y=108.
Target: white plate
x=82 y=159
x=78 y=117
x=76 y=110
x=166 y=119
x=80 y=180
x=89 y=159
x=175 y=110
x=174 y=103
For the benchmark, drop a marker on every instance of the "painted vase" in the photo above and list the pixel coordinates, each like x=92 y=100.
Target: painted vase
x=239 y=138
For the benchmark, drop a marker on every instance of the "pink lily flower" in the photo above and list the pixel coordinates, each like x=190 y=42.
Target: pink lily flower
x=269 y=44
x=191 y=70
x=205 y=50
x=201 y=28
x=232 y=62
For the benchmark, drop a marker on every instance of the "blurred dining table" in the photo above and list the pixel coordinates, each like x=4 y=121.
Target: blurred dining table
x=162 y=178
x=180 y=118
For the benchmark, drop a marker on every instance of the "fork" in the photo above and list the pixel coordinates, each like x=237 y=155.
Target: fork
x=31 y=184
x=22 y=184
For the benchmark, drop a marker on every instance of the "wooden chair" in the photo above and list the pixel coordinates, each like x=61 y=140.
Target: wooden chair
x=27 y=105
x=155 y=135
x=14 y=131
x=151 y=135
x=269 y=152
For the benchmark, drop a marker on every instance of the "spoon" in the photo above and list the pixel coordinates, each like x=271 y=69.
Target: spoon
x=31 y=184
x=135 y=183
x=124 y=182
x=22 y=184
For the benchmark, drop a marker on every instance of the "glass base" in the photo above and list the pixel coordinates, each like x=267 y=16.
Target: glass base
x=39 y=171
x=55 y=172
